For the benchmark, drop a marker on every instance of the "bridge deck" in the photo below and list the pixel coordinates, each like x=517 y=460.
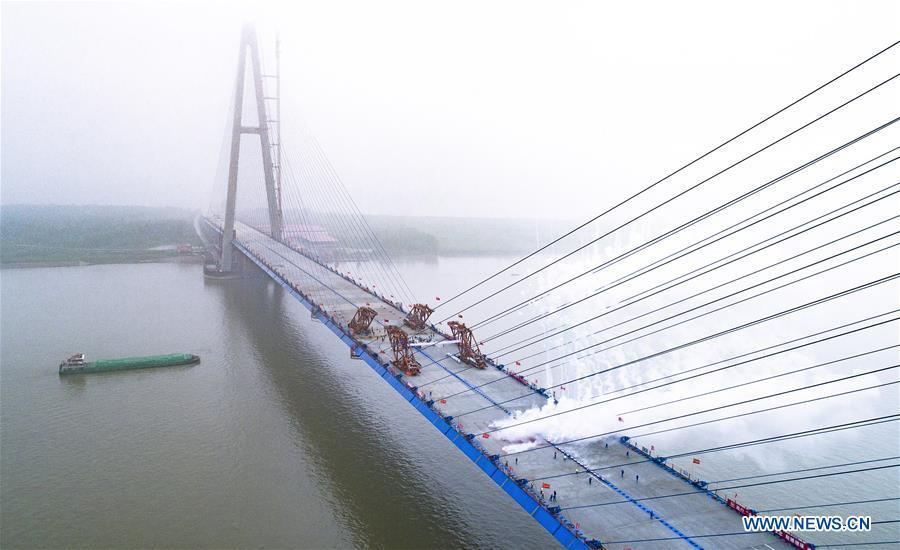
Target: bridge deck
x=673 y=520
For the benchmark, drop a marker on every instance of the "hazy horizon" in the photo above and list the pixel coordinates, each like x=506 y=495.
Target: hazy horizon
x=509 y=110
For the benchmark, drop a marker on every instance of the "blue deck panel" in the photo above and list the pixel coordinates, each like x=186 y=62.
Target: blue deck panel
x=499 y=477
x=486 y=466
x=543 y=517
x=566 y=538
x=442 y=426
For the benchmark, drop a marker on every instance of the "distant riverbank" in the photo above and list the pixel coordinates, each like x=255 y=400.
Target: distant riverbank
x=445 y=236
x=52 y=235
x=56 y=235
x=125 y=259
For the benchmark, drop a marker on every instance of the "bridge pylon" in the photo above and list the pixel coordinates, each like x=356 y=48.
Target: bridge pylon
x=250 y=46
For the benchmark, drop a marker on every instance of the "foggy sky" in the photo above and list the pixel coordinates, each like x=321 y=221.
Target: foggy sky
x=514 y=109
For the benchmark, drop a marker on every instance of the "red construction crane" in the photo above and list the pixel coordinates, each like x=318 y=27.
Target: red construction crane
x=468 y=346
x=418 y=316
x=404 y=358
x=361 y=320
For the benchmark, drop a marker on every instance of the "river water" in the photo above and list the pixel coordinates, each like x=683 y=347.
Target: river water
x=276 y=439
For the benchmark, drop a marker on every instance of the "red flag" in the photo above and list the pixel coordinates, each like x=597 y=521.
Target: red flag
x=387 y=320
x=545 y=485
x=486 y=436
x=620 y=419
x=437 y=298
x=518 y=363
x=443 y=401
x=696 y=461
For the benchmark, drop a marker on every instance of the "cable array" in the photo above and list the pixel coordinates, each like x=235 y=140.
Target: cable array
x=769 y=253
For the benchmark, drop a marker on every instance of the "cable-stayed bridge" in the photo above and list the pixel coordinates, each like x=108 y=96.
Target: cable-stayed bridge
x=599 y=487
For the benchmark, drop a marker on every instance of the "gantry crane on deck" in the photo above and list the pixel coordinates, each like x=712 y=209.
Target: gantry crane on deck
x=404 y=358
x=418 y=316
x=469 y=351
x=363 y=317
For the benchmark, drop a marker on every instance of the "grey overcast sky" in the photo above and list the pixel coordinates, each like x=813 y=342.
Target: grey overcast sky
x=514 y=109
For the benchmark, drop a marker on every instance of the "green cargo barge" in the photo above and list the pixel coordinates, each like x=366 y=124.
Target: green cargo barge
x=76 y=364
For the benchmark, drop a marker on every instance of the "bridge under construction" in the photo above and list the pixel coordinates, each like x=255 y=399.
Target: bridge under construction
x=334 y=298
x=612 y=493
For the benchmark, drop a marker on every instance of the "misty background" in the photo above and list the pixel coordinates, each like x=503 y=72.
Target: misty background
x=500 y=109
